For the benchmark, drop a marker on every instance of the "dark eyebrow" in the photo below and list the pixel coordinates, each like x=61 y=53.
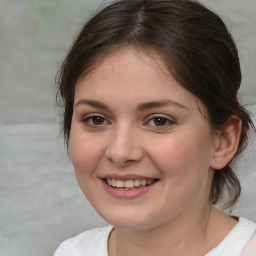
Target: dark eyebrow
x=93 y=103
x=141 y=107
x=158 y=104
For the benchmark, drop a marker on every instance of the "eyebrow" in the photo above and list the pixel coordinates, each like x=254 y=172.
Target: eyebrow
x=158 y=104
x=141 y=107
x=92 y=103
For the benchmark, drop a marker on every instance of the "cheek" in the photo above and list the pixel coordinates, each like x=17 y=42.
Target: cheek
x=182 y=155
x=85 y=152
x=184 y=164
x=172 y=154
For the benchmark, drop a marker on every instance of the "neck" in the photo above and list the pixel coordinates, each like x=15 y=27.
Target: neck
x=185 y=235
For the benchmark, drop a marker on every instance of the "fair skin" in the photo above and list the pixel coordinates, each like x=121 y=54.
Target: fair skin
x=133 y=125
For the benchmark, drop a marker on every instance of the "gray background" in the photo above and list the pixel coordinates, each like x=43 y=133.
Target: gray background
x=40 y=202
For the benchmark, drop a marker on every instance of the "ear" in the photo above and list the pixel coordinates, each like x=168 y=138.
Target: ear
x=226 y=143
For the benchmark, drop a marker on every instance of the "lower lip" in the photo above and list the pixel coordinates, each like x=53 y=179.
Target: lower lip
x=127 y=194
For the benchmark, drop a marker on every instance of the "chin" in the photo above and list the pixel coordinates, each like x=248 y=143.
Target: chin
x=128 y=220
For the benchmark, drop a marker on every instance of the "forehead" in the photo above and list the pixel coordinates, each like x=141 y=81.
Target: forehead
x=124 y=57
x=126 y=66
x=129 y=72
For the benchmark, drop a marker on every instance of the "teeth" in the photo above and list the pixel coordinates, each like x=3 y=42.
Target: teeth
x=129 y=183
x=143 y=182
x=109 y=181
x=149 y=182
x=137 y=183
x=120 y=183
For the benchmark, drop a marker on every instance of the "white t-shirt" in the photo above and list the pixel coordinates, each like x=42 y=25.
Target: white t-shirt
x=241 y=241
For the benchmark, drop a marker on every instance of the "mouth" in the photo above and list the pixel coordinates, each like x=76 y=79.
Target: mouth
x=130 y=184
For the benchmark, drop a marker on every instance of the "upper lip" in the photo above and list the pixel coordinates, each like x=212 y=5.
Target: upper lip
x=126 y=177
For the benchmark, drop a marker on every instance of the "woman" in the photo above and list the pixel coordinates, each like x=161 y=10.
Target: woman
x=153 y=124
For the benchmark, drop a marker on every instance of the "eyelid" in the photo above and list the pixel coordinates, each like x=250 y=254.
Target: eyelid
x=169 y=119
x=86 y=117
x=162 y=116
x=92 y=115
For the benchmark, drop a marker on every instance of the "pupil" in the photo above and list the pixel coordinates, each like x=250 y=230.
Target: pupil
x=98 y=120
x=160 y=121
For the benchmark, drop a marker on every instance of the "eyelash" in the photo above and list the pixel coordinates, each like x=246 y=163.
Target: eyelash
x=89 y=120
x=166 y=121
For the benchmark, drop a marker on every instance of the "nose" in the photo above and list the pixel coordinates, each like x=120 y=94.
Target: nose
x=124 y=147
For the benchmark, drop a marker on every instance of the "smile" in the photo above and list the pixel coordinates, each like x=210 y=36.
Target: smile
x=129 y=184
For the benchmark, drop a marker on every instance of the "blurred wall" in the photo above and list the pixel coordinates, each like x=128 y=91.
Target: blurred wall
x=40 y=202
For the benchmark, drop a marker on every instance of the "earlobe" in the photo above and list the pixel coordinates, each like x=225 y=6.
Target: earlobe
x=226 y=143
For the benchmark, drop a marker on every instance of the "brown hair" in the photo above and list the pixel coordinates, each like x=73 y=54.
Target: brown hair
x=196 y=47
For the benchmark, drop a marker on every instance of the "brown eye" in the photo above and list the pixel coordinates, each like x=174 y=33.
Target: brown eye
x=98 y=120
x=95 y=120
x=160 y=121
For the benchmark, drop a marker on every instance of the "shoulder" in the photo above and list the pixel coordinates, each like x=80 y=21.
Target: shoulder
x=243 y=237
x=250 y=247
x=239 y=242
x=88 y=243
x=246 y=227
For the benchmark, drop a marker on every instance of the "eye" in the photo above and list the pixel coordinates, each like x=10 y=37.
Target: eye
x=95 y=120
x=159 y=121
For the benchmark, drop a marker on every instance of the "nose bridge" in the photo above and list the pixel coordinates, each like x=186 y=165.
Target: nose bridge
x=122 y=135
x=124 y=145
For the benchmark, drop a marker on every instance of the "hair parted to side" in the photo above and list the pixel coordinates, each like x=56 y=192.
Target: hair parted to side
x=194 y=44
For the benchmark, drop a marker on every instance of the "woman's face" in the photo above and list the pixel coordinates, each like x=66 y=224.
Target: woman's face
x=140 y=143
